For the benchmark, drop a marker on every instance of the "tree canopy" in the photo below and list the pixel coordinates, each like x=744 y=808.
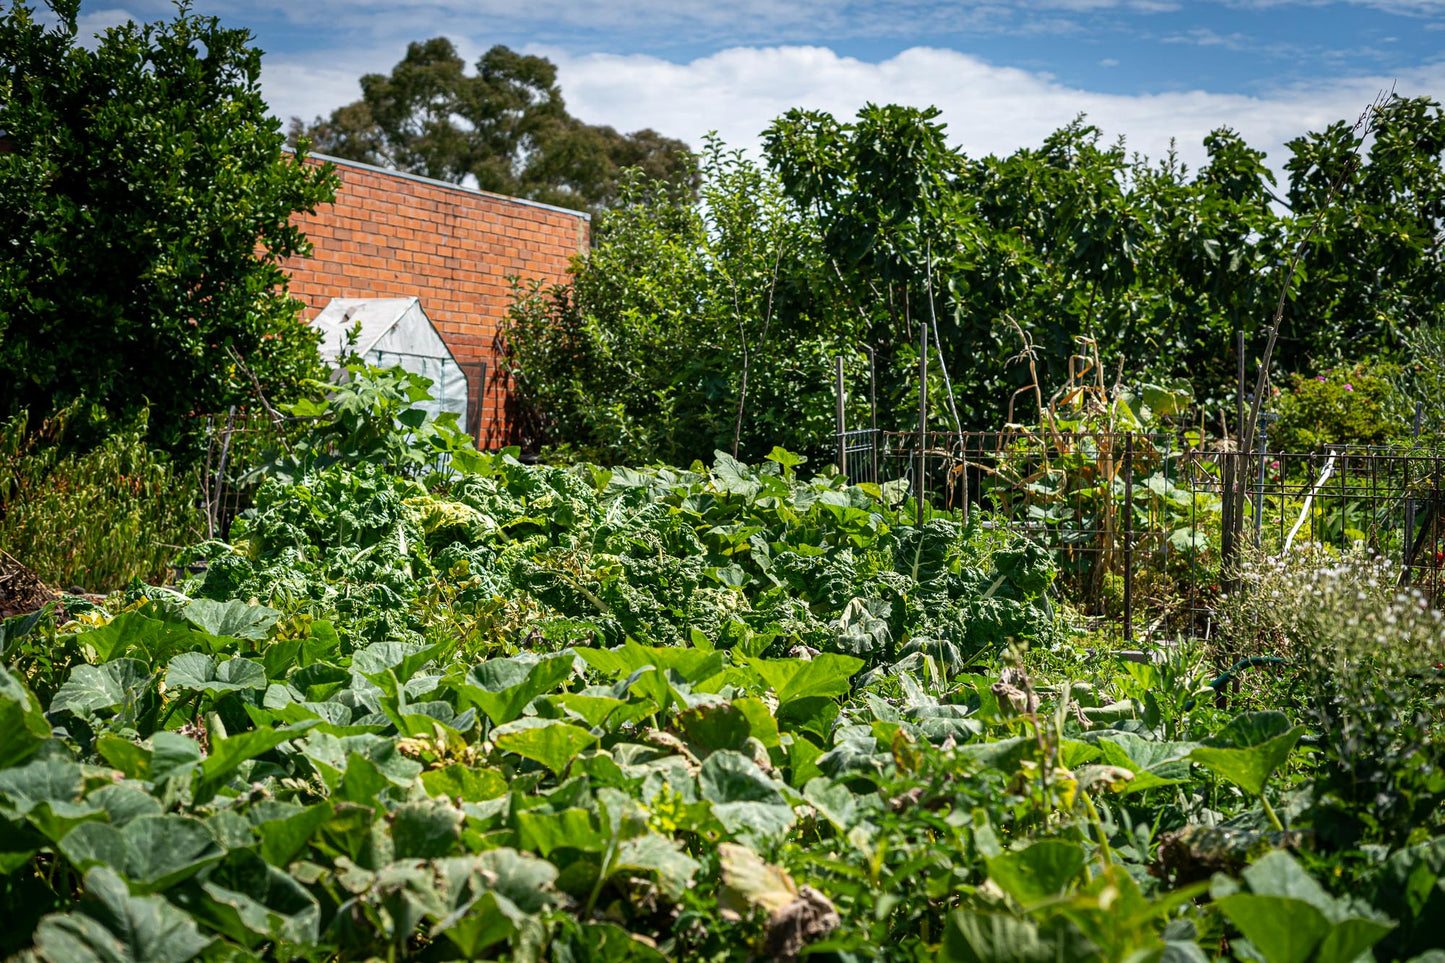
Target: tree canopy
x=860 y=230
x=506 y=126
x=145 y=207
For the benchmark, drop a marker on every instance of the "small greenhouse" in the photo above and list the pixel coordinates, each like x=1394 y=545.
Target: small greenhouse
x=396 y=331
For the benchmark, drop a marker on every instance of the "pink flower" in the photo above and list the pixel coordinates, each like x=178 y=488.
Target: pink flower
x=1274 y=465
x=1319 y=377
x=1349 y=387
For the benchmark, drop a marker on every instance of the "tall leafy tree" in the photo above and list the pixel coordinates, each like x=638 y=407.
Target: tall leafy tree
x=1159 y=266
x=145 y=207
x=505 y=126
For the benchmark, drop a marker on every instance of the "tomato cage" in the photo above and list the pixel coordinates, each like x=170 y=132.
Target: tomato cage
x=1150 y=529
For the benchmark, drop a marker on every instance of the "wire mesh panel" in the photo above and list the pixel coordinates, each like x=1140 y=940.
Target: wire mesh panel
x=858 y=454
x=238 y=444
x=1385 y=500
x=1136 y=521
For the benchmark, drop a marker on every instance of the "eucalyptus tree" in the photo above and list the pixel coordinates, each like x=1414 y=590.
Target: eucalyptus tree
x=505 y=126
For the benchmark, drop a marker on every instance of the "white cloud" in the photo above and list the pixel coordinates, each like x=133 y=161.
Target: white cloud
x=304 y=87
x=1205 y=37
x=97 y=21
x=1109 y=62
x=988 y=108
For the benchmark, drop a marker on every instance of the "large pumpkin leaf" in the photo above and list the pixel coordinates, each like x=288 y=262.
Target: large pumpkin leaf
x=823 y=676
x=155 y=640
x=233 y=619
x=502 y=688
x=1289 y=918
x=22 y=721
x=112 y=926
x=551 y=742
x=198 y=672
x=152 y=852
x=93 y=688
x=1038 y=872
x=748 y=803
x=1249 y=749
x=251 y=902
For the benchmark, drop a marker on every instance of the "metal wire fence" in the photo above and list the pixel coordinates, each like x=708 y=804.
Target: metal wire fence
x=1148 y=528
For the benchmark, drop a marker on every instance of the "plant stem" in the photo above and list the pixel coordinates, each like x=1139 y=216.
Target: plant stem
x=1098 y=829
x=1269 y=811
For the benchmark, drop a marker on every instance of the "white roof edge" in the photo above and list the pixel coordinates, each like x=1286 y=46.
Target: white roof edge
x=363 y=347
x=475 y=192
x=412 y=300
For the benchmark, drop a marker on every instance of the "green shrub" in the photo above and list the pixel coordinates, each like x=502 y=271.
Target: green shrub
x=1362 y=670
x=1350 y=404
x=98 y=518
x=1422 y=381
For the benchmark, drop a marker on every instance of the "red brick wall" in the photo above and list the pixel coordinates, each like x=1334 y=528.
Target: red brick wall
x=393 y=235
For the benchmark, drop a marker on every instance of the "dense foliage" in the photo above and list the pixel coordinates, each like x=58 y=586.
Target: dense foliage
x=145 y=203
x=861 y=230
x=1349 y=404
x=95 y=519
x=589 y=714
x=506 y=127
x=645 y=355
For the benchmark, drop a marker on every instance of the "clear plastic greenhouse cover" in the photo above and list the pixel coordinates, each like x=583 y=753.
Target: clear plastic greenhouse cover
x=396 y=331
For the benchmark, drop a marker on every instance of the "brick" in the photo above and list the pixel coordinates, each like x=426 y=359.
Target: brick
x=390 y=236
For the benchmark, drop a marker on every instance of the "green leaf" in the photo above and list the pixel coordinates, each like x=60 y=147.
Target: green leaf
x=1284 y=930
x=594 y=710
x=494 y=894
x=691 y=665
x=132 y=760
x=825 y=676
x=282 y=840
x=660 y=856
x=502 y=688
x=156 y=640
x=732 y=476
x=228 y=753
x=234 y=619
x=1249 y=749
x=786 y=459
x=1153 y=764
x=465 y=783
x=112 y=926
x=153 y=852
x=748 y=803
x=251 y=902
x=1290 y=918
x=549 y=741
x=972 y=937
x=715 y=725
x=172 y=754
x=425 y=829
x=197 y=672
x=1039 y=872
x=23 y=728
x=571 y=828
x=91 y=688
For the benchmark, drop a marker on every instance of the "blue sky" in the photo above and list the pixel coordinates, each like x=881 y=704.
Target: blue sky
x=1004 y=72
